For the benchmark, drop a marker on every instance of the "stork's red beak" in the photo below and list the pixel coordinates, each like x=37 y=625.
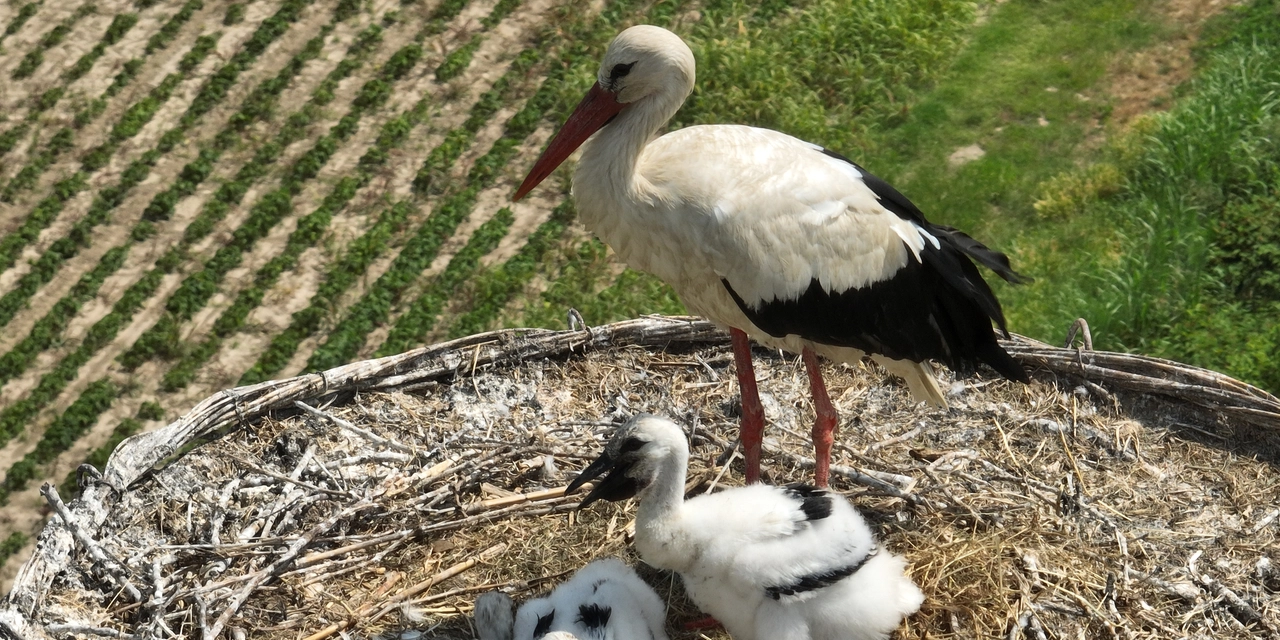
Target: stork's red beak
x=597 y=108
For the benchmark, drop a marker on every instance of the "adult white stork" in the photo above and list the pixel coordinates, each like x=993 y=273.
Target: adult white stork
x=778 y=239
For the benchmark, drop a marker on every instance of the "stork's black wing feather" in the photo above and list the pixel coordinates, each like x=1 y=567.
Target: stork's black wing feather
x=939 y=308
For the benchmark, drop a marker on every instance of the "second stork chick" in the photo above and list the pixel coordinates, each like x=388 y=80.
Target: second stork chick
x=604 y=600
x=770 y=563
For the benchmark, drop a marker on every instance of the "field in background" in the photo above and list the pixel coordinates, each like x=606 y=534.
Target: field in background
x=197 y=194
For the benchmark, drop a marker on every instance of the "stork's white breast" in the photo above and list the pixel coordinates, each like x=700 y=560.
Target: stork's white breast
x=768 y=212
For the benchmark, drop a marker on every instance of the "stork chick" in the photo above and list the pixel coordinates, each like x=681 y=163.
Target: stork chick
x=770 y=563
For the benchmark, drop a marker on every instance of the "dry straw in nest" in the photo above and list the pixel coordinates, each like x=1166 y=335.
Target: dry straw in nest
x=1115 y=497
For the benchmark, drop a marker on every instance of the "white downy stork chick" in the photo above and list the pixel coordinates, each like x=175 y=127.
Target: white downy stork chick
x=604 y=600
x=770 y=563
x=776 y=238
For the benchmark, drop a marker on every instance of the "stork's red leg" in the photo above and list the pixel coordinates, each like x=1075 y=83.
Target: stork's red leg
x=824 y=427
x=752 y=430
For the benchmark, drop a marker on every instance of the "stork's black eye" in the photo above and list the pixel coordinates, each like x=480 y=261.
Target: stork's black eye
x=620 y=70
x=631 y=444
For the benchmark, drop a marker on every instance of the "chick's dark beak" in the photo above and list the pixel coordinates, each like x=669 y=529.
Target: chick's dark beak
x=615 y=486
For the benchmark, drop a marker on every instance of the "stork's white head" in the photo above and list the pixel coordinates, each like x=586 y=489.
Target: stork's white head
x=633 y=458
x=645 y=60
x=647 y=70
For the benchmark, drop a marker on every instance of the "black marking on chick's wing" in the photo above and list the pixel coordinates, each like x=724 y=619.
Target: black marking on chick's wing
x=544 y=624
x=819 y=580
x=814 y=502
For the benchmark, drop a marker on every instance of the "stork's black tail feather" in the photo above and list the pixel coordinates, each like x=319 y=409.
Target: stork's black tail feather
x=987 y=257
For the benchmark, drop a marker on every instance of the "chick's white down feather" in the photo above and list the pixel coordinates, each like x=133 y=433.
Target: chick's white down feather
x=604 y=600
x=768 y=562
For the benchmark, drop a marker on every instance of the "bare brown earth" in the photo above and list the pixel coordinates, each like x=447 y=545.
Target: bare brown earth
x=1144 y=81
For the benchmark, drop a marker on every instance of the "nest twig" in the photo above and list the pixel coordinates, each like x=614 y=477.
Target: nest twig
x=1038 y=511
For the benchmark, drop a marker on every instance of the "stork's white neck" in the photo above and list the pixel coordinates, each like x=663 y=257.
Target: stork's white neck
x=658 y=536
x=608 y=172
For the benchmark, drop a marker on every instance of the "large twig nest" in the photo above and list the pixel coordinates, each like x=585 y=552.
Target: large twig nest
x=1116 y=496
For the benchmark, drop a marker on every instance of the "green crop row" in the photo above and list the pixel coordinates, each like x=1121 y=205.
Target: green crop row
x=141 y=112
x=90 y=404
x=190 y=176
x=99 y=211
x=137 y=116
x=492 y=289
x=433 y=174
x=373 y=308
x=295 y=128
x=14 y=417
x=499 y=12
x=225 y=77
x=458 y=60
x=91 y=111
x=234 y=14
x=12 y=545
x=582 y=280
x=161 y=39
x=73 y=423
x=35 y=57
x=259 y=105
x=345 y=340
x=419 y=319
x=49 y=207
x=10 y=138
x=46 y=100
x=24 y=14
x=120 y=25
x=360 y=254
x=48 y=330
x=444 y=12
x=27 y=176
x=196 y=290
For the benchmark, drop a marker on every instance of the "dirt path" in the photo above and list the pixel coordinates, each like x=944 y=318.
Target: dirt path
x=1144 y=81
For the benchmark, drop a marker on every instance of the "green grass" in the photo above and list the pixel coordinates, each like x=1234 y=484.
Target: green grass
x=1160 y=237
x=1181 y=260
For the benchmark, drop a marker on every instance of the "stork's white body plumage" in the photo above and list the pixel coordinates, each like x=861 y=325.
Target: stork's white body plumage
x=793 y=245
x=604 y=600
x=770 y=563
x=765 y=211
